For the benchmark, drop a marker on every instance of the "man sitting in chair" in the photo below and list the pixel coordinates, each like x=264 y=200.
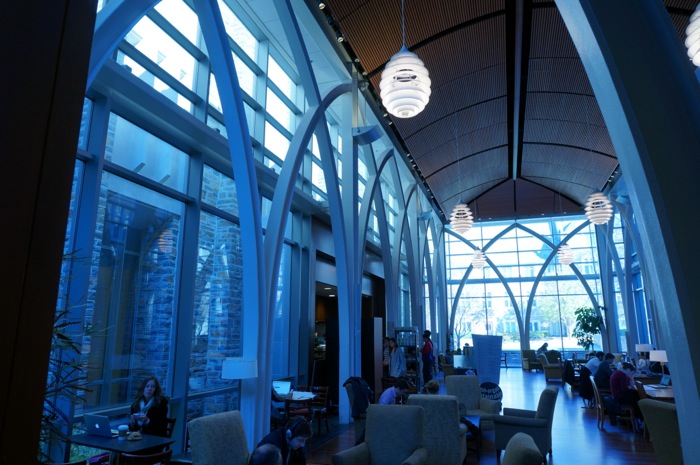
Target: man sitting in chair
x=390 y=394
x=291 y=440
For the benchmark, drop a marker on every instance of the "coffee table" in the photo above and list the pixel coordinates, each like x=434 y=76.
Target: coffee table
x=473 y=423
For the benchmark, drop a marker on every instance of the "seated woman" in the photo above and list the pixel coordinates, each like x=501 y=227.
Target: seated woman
x=149 y=412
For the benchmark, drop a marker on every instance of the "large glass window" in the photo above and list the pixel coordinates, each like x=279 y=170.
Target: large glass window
x=488 y=304
x=135 y=149
x=132 y=302
x=218 y=296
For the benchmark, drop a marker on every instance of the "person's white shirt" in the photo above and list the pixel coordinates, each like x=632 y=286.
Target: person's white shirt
x=593 y=364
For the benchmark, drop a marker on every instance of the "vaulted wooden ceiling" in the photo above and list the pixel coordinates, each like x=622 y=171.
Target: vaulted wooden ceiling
x=512 y=126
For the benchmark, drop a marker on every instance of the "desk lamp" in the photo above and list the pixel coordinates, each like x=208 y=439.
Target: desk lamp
x=659 y=356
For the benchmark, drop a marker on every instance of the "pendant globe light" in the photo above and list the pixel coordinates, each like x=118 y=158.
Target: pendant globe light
x=405 y=84
x=461 y=218
x=479 y=260
x=598 y=209
x=565 y=255
x=692 y=41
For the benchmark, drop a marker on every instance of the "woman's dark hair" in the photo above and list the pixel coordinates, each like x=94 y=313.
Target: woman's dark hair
x=157 y=394
x=628 y=366
x=396 y=344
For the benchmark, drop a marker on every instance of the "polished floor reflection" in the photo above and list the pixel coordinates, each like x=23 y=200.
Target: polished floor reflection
x=576 y=439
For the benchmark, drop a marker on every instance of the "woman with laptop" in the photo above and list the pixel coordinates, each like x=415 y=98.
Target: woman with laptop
x=149 y=412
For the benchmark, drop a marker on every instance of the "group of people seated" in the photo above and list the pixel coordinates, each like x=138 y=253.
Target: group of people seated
x=619 y=380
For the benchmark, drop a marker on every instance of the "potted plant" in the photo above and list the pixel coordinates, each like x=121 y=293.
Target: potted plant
x=588 y=323
x=66 y=381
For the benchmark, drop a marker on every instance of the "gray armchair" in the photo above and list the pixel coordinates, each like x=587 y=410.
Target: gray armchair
x=468 y=392
x=522 y=450
x=219 y=439
x=393 y=436
x=444 y=435
x=661 y=419
x=552 y=368
x=536 y=423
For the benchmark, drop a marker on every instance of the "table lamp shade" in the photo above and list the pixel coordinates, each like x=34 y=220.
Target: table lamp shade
x=658 y=356
x=238 y=368
x=643 y=347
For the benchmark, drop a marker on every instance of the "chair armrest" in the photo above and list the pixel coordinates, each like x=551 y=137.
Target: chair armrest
x=520 y=421
x=418 y=457
x=490 y=405
x=358 y=454
x=516 y=412
x=462 y=433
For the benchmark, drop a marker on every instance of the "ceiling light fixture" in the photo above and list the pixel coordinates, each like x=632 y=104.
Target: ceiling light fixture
x=565 y=255
x=692 y=32
x=339 y=37
x=461 y=218
x=479 y=260
x=405 y=84
x=321 y=5
x=598 y=209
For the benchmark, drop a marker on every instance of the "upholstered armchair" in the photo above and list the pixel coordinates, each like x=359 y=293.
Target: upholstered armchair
x=535 y=423
x=661 y=418
x=552 y=369
x=468 y=392
x=444 y=435
x=218 y=439
x=522 y=450
x=393 y=436
x=529 y=360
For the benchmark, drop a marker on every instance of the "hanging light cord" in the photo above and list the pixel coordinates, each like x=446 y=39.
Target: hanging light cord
x=403 y=26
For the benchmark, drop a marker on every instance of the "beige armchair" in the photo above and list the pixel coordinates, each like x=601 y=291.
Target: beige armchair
x=444 y=435
x=468 y=392
x=552 y=369
x=536 y=423
x=529 y=360
x=219 y=439
x=522 y=450
x=393 y=436
x=661 y=419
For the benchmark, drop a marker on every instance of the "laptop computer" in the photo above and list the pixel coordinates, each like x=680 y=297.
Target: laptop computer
x=98 y=425
x=663 y=384
x=282 y=387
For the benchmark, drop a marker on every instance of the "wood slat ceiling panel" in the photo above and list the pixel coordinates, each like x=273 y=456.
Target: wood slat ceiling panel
x=550 y=38
x=373 y=28
x=477 y=174
x=571 y=134
x=558 y=75
x=472 y=130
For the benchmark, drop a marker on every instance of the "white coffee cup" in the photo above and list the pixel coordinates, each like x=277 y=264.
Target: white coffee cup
x=123 y=431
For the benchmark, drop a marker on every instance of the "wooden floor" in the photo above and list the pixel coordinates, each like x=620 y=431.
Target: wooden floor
x=576 y=439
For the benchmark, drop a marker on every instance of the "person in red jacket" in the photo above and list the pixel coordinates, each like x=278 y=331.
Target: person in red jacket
x=427 y=356
x=623 y=389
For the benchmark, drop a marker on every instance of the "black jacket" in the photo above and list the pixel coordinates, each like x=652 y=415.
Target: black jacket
x=289 y=457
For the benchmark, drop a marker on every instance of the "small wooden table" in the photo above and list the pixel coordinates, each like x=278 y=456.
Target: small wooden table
x=117 y=446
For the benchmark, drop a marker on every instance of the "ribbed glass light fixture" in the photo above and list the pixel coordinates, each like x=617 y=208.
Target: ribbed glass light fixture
x=692 y=40
x=479 y=260
x=405 y=84
x=461 y=218
x=598 y=209
x=565 y=255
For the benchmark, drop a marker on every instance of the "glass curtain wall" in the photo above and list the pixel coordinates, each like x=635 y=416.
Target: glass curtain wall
x=522 y=278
